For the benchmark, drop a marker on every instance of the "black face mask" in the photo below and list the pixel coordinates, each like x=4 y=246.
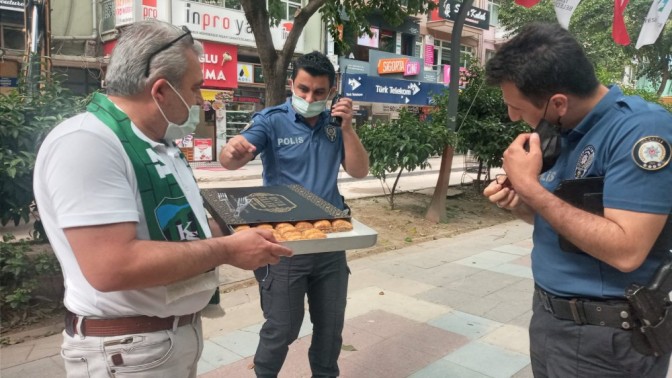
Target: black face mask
x=549 y=136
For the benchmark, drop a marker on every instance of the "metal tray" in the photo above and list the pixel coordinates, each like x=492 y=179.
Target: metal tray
x=361 y=236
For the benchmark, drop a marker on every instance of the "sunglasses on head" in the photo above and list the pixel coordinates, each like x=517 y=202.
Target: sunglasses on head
x=187 y=33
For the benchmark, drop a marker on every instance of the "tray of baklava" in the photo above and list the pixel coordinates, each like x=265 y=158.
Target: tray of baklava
x=297 y=217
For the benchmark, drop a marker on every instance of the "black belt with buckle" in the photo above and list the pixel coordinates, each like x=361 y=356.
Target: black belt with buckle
x=607 y=313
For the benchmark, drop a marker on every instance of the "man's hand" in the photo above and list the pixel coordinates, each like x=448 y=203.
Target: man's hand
x=343 y=109
x=522 y=167
x=254 y=248
x=502 y=194
x=237 y=152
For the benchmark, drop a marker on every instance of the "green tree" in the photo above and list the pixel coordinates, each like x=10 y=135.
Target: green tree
x=484 y=126
x=403 y=144
x=275 y=63
x=591 y=23
x=25 y=121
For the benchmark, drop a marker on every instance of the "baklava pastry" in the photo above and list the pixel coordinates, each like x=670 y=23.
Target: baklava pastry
x=313 y=233
x=341 y=225
x=292 y=235
x=265 y=226
x=242 y=227
x=323 y=225
x=302 y=226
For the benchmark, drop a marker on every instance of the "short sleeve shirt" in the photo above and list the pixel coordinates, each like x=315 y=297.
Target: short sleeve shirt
x=608 y=142
x=293 y=152
x=83 y=177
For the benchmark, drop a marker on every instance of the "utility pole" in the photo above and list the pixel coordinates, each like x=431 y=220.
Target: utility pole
x=453 y=87
x=36 y=9
x=436 y=212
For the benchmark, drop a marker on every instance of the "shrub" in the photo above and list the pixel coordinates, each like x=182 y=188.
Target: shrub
x=26 y=119
x=402 y=144
x=23 y=275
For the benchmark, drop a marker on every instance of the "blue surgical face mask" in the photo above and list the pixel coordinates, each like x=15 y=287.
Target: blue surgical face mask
x=305 y=108
x=175 y=131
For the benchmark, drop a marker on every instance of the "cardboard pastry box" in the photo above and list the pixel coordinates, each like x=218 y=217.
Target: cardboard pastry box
x=232 y=207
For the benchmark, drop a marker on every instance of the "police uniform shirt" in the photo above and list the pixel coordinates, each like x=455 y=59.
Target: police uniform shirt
x=292 y=152
x=626 y=140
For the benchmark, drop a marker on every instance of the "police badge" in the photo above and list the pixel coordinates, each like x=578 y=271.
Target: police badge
x=331 y=133
x=651 y=153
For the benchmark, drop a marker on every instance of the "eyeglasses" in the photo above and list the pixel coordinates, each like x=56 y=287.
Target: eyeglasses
x=187 y=33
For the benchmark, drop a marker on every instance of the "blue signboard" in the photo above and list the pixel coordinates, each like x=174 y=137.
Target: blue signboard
x=9 y=81
x=390 y=91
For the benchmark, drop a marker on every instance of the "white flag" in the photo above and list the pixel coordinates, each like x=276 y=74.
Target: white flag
x=564 y=10
x=654 y=22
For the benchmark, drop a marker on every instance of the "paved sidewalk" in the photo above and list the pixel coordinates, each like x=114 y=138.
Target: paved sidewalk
x=452 y=307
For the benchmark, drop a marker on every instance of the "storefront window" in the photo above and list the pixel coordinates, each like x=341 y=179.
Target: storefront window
x=442 y=53
x=293 y=7
x=407 y=44
x=387 y=41
x=493 y=7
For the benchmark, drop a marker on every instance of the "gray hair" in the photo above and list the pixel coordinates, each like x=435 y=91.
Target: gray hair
x=126 y=71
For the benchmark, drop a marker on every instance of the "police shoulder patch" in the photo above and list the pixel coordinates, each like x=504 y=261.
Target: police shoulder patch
x=651 y=153
x=247 y=126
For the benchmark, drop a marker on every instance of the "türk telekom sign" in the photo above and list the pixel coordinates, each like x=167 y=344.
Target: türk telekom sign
x=212 y=23
x=219 y=63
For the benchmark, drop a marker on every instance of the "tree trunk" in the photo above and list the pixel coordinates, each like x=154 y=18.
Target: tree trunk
x=394 y=188
x=663 y=83
x=437 y=208
x=436 y=212
x=274 y=64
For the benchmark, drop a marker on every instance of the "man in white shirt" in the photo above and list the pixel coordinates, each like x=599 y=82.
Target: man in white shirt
x=125 y=218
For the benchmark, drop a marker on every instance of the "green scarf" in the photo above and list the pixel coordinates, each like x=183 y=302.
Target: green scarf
x=167 y=211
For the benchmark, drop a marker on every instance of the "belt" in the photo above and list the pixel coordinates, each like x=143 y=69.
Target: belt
x=123 y=326
x=608 y=313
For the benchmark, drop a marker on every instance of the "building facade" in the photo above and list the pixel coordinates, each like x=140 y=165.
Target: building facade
x=397 y=66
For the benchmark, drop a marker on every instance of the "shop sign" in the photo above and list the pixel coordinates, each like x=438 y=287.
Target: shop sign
x=219 y=63
x=412 y=68
x=255 y=100
x=13 y=5
x=353 y=66
x=202 y=149
x=392 y=65
x=213 y=23
x=245 y=73
x=8 y=82
x=446 y=75
x=429 y=50
x=369 y=41
x=430 y=76
x=258 y=75
x=476 y=17
x=108 y=47
x=149 y=9
x=124 y=12
x=217 y=98
x=390 y=91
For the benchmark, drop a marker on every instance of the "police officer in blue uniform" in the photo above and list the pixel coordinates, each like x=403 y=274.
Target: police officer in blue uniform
x=582 y=325
x=298 y=145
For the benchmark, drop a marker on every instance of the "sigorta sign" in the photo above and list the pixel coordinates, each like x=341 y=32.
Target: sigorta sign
x=392 y=65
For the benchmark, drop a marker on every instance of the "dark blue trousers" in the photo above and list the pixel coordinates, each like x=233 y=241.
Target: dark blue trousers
x=323 y=277
x=563 y=349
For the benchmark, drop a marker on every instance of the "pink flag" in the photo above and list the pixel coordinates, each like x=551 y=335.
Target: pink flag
x=618 y=31
x=527 y=3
